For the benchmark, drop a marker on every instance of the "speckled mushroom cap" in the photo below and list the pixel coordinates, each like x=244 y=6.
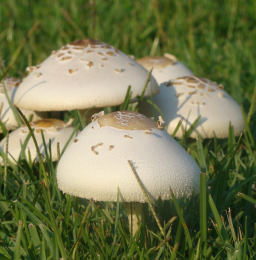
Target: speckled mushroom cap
x=165 y=68
x=83 y=74
x=55 y=131
x=187 y=98
x=6 y=115
x=96 y=165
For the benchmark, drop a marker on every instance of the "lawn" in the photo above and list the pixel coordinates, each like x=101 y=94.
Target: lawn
x=216 y=40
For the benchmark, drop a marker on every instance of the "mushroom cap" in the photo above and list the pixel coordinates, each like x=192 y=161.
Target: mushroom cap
x=187 y=98
x=55 y=131
x=83 y=74
x=96 y=165
x=165 y=67
x=6 y=115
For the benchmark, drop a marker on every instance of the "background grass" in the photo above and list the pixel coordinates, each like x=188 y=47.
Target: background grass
x=216 y=39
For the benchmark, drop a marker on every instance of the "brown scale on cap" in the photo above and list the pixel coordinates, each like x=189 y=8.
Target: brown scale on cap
x=201 y=86
x=111 y=147
x=127 y=120
x=204 y=80
x=60 y=54
x=64 y=48
x=31 y=69
x=148 y=132
x=200 y=83
x=155 y=62
x=66 y=58
x=86 y=42
x=119 y=70
x=49 y=122
x=128 y=136
x=110 y=53
x=90 y=64
x=191 y=79
x=9 y=84
x=71 y=71
x=93 y=148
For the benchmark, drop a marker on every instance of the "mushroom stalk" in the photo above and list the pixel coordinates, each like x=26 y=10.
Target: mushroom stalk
x=134 y=211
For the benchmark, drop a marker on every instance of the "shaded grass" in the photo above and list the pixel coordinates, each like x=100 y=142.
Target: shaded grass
x=214 y=38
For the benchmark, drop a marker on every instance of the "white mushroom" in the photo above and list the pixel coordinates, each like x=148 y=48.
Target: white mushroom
x=81 y=75
x=188 y=98
x=6 y=113
x=55 y=131
x=95 y=166
x=165 y=68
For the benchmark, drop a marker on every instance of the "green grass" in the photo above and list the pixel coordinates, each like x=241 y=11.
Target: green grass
x=216 y=39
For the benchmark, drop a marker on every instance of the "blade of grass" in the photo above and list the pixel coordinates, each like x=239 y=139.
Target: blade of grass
x=17 y=255
x=75 y=245
x=203 y=215
x=116 y=218
x=184 y=225
x=203 y=199
x=19 y=49
x=42 y=250
x=127 y=99
x=14 y=111
x=5 y=165
x=34 y=236
x=154 y=106
x=246 y=197
x=45 y=189
x=176 y=241
x=219 y=226
x=192 y=128
x=251 y=109
x=148 y=201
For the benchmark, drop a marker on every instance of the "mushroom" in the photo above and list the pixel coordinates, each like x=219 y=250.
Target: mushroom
x=191 y=98
x=165 y=67
x=56 y=132
x=81 y=75
x=95 y=166
x=6 y=113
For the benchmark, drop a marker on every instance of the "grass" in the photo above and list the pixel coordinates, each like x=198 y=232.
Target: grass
x=215 y=39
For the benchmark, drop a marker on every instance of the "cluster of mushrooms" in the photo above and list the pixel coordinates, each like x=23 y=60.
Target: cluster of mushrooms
x=124 y=154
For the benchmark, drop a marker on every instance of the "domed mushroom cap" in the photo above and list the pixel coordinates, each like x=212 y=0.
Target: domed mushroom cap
x=165 y=68
x=83 y=74
x=6 y=115
x=55 y=131
x=187 y=98
x=96 y=165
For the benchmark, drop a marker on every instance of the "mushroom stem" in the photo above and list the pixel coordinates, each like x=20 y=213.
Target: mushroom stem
x=134 y=211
